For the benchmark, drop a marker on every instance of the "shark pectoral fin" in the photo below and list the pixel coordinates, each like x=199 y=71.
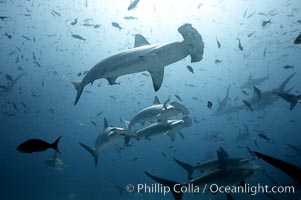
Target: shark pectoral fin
x=183 y=109
x=140 y=41
x=172 y=135
x=91 y=151
x=79 y=89
x=112 y=80
x=157 y=77
x=293 y=104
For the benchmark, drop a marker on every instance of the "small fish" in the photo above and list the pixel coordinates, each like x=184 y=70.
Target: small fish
x=25 y=37
x=264 y=23
x=199 y=6
x=209 y=104
x=218 y=43
x=15 y=106
x=33 y=56
x=97 y=26
x=297 y=149
x=53 y=12
x=190 y=68
x=88 y=24
x=79 y=74
x=190 y=85
x=299 y=21
x=264 y=136
x=288 y=67
x=250 y=34
x=250 y=15
x=163 y=154
x=38 y=64
x=217 y=61
x=245 y=13
x=257 y=92
x=248 y=105
x=36 y=145
x=99 y=114
x=178 y=97
x=239 y=45
x=3 y=17
x=264 y=52
x=94 y=123
x=74 y=22
x=3 y=87
x=129 y=17
x=245 y=93
x=145 y=74
x=135 y=158
x=78 y=37
x=116 y=25
x=8 y=77
x=133 y=4
x=298 y=39
x=8 y=36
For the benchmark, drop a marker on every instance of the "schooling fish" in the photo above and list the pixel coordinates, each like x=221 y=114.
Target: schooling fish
x=74 y=22
x=248 y=105
x=288 y=67
x=264 y=23
x=78 y=37
x=3 y=17
x=133 y=4
x=190 y=68
x=239 y=45
x=116 y=25
x=36 y=145
x=8 y=77
x=218 y=43
x=209 y=104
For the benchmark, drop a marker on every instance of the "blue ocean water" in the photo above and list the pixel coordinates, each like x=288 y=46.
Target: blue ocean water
x=36 y=39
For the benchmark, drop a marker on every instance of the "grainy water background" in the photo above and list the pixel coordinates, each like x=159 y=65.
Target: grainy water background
x=41 y=45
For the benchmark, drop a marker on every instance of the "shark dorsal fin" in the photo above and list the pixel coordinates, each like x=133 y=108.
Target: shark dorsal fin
x=140 y=41
x=105 y=123
x=156 y=100
x=222 y=158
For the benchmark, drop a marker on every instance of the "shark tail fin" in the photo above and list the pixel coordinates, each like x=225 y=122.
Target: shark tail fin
x=185 y=166
x=169 y=183
x=194 y=42
x=183 y=109
x=79 y=89
x=91 y=151
x=55 y=144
